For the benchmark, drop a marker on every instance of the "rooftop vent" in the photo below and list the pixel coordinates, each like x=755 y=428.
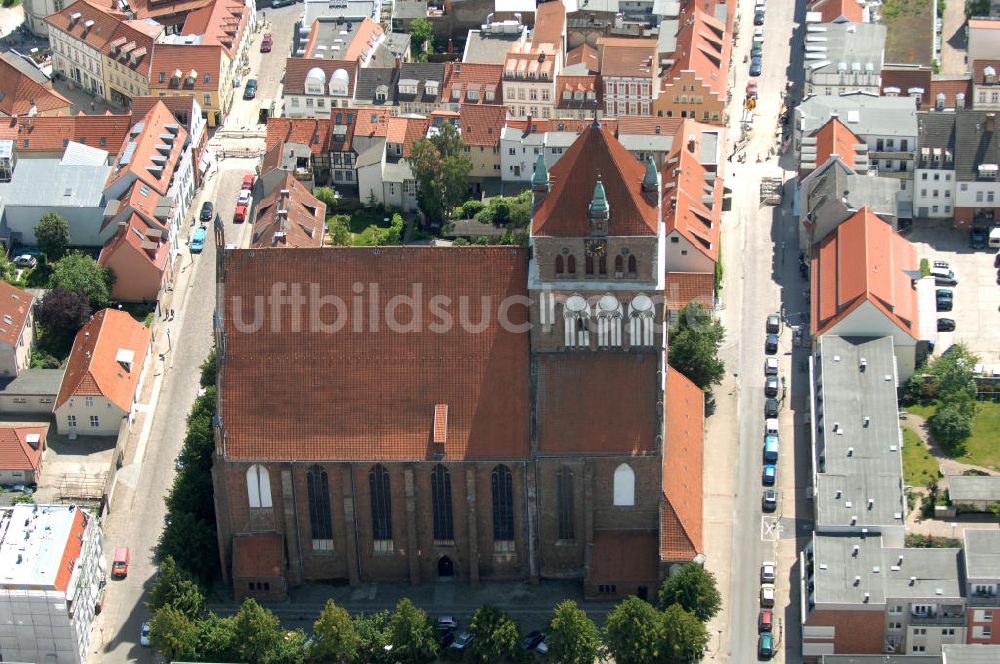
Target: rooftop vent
x=855 y=550
x=913 y=580
x=864 y=363
x=857 y=580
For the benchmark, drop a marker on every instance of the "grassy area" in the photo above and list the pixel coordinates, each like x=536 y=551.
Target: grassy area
x=919 y=467
x=982 y=448
x=362 y=218
x=910 y=31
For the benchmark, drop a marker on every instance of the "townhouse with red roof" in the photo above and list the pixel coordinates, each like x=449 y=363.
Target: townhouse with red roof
x=21 y=451
x=25 y=90
x=17 y=331
x=288 y=216
x=695 y=85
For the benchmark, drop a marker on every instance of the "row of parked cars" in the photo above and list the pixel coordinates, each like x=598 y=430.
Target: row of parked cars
x=757 y=49
x=450 y=638
x=944 y=297
x=765 y=619
x=769 y=476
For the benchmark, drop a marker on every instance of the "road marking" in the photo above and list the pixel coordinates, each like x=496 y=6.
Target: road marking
x=770 y=529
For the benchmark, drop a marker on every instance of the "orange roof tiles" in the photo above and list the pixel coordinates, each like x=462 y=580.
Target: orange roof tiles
x=832 y=10
x=257 y=555
x=16 y=453
x=481 y=124
x=702 y=47
x=74 y=544
x=154 y=156
x=573 y=418
x=682 y=288
x=372 y=122
x=332 y=396
x=406 y=130
x=596 y=153
x=584 y=54
x=627 y=57
x=166 y=9
x=649 y=125
x=102 y=23
x=864 y=260
x=314 y=132
x=367 y=31
x=835 y=138
x=687 y=182
x=139 y=237
x=206 y=60
x=221 y=22
x=684 y=422
x=295 y=219
x=296 y=70
x=131 y=46
x=93 y=369
x=51 y=134
x=472 y=76
x=624 y=556
x=15 y=308
x=984 y=23
x=550 y=23
x=19 y=93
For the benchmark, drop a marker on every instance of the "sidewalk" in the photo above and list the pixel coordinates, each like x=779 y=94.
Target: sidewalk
x=954 y=56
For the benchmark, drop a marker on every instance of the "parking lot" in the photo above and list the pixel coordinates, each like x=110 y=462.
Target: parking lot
x=976 y=311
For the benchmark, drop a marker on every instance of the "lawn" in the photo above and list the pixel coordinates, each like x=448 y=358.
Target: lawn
x=362 y=218
x=919 y=467
x=910 y=31
x=983 y=447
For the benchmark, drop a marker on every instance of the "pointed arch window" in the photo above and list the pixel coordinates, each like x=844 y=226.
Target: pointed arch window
x=381 y=500
x=619 y=265
x=503 y=504
x=564 y=498
x=602 y=265
x=624 y=492
x=320 y=521
x=258 y=487
x=571 y=265
x=444 y=528
x=609 y=321
x=641 y=319
x=588 y=262
x=633 y=264
x=560 y=267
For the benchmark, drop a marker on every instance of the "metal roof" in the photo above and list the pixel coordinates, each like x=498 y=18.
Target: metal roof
x=982 y=553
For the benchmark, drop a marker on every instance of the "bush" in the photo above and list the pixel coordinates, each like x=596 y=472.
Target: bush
x=917 y=541
x=925 y=267
x=471 y=208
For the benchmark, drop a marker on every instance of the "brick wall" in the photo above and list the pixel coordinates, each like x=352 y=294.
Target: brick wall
x=856 y=631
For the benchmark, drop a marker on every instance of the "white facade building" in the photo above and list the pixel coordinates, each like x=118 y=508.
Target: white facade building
x=52 y=577
x=35 y=12
x=75 y=58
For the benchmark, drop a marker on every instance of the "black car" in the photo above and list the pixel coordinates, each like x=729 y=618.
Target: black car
x=446 y=640
x=770 y=407
x=773 y=324
x=944 y=304
x=946 y=325
x=944 y=294
x=769 y=501
x=977 y=238
x=771 y=344
x=996 y=261
x=758 y=17
x=207 y=210
x=532 y=639
x=281 y=3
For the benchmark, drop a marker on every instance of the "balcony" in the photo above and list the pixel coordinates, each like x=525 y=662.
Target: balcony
x=946 y=615
x=983 y=600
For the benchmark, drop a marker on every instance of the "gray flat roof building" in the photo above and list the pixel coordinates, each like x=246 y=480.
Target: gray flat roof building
x=982 y=553
x=964 y=653
x=864 y=114
x=844 y=55
x=66 y=185
x=857 y=461
x=35 y=382
x=971 y=489
x=490 y=44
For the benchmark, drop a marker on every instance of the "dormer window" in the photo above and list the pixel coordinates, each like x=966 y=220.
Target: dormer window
x=490 y=96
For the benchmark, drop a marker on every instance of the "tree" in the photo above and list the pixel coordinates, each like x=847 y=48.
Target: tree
x=950 y=426
x=335 y=639
x=693 y=588
x=217 y=639
x=374 y=632
x=340 y=231
x=327 y=196
x=61 y=313
x=175 y=588
x=257 y=632
x=173 y=633
x=421 y=32
x=684 y=635
x=52 y=236
x=411 y=634
x=995 y=508
x=634 y=632
x=497 y=636
x=977 y=8
x=208 y=370
x=954 y=374
x=193 y=544
x=441 y=168
x=7 y=269
x=82 y=274
x=573 y=637
x=694 y=346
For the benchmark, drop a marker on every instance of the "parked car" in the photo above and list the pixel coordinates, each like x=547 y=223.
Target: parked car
x=771 y=386
x=946 y=325
x=532 y=639
x=755 y=66
x=462 y=641
x=275 y=4
x=765 y=620
x=266 y=43
x=243 y=198
x=248 y=181
x=757 y=51
x=543 y=647
x=250 y=89
x=240 y=214
x=758 y=17
x=446 y=624
x=770 y=474
x=978 y=237
x=144 y=635
x=773 y=324
x=25 y=260
x=768 y=571
x=945 y=293
x=769 y=502
x=771 y=366
x=944 y=304
x=770 y=407
x=772 y=449
x=446 y=640
x=179 y=463
x=771 y=344
x=758 y=33
x=119 y=566
x=767 y=594
x=207 y=210
x=765 y=645
x=198 y=240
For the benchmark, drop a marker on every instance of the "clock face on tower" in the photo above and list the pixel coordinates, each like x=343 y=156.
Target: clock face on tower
x=596 y=248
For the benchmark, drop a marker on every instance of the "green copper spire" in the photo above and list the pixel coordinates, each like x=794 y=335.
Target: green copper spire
x=599 y=203
x=649 y=179
x=541 y=176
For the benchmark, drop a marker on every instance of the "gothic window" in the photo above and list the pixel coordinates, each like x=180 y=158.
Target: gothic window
x=571 y=265
x=632 y=265
x=589 y=265
x=258 y=486
x=609 y=321
x=564 y=496
x=378 y=487
x=320 y=522
x=619 y=265
x=602 y=265
x=559 y=265
x=444 y=529
x=641 y=320
x=503 y=504
x=624 y=486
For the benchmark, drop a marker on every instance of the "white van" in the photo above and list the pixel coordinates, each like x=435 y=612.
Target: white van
x=944 y=276
x=771 y=426
x=995 y=238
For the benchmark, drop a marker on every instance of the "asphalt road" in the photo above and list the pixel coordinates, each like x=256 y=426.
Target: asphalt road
x=267 y=68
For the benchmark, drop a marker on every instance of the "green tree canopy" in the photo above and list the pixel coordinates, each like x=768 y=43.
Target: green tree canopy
x=335 y=640
x=634 y=633
x=61 y=313
x=693 y=588
x=7 y=269
x=411 y=634
x=950 y=426
x=217 y=639
x=441 y=168
x=421 y=32
x=375 y=633
x=193 y=544
x=80 y=273
x=694 y=346
x=173 y=633
x=257 y=633
x=573 y=637
x=52 y=236
x=174 y=587
x=684 y=636
x=497 y=636
x=340 y=231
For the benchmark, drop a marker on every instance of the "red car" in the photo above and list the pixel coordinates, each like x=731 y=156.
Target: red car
x=240 y=214
x=752 y=89
x=248 y=181
x=265 y=44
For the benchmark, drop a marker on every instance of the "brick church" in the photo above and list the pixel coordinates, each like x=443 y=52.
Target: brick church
x=484 y=413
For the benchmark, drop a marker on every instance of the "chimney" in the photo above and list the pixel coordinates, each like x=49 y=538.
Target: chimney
x=691 y=143
x=527 y=127
x=991 y=122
